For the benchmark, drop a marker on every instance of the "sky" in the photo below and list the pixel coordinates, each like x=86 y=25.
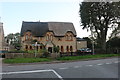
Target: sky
x=13 y=13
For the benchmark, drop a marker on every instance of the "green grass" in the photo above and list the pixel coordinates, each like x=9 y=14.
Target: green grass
x=87 y=57
x=67 y=58
x=26 y=60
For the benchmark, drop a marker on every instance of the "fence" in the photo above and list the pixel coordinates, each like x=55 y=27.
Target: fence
x=21 y=55
x=68 y=54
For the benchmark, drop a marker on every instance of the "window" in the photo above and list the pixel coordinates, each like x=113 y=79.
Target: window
x=62 y=49
x=30 y=47
x=67 y=48
x=51 y=37
x=26 y=47
x=30 y=37
x=40 y=47
x=47 y=37
x=58 y=47
x=66 y=37
x=71 y=48
x=69 y=37
x=26 y=37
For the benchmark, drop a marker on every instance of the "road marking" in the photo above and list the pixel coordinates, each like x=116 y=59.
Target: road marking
x=21 y=72
x=99 y=64
x=108 y=63
x=77 y=66
x=89 y=65
x=10 y=66
x=57 y=75
x=116 y=62
x=63 y=68
x=63 y=63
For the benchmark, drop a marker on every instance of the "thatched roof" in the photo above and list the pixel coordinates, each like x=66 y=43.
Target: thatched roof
x=40 y=28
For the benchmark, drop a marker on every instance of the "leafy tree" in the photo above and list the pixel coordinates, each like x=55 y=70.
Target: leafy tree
x=116 y=31
x=14 y=40
x=114 y=42
x=98 y=17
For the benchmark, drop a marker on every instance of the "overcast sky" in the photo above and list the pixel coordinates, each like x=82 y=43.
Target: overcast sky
x=13 y=13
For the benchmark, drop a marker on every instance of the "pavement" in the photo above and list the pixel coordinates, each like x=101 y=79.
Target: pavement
x=102 y=68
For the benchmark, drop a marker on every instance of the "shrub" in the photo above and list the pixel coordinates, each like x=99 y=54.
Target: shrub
x=56 y=49
x=17 y=51
x=31 y=51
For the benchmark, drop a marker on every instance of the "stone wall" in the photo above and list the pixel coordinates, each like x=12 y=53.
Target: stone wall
x=81 y=44
x=51 y=39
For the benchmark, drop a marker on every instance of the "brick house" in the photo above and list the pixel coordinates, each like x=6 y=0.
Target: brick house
x=49 y=34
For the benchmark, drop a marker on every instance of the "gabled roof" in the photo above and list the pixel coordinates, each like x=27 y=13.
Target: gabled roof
x=40 y=28
x=36 y=28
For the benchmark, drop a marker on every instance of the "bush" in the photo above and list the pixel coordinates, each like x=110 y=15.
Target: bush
x=56 y=49
x=31 y=51
x=17 y=51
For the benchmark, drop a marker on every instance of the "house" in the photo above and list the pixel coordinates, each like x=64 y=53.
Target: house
x=81 y=43
x=48 y=35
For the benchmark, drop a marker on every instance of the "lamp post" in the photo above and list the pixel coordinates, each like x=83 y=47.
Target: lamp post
x=93 y=50
x=35 y=49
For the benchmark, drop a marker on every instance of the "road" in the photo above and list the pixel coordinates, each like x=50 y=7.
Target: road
x=102 y=68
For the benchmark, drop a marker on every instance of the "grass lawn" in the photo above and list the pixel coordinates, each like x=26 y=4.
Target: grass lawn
x=87 y=57
x=67 y=58
x=26 y=60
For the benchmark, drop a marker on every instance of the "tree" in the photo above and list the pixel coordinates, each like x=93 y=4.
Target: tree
x=116 y=31
x=14 y=40
x=98 y=17
x=114 y=44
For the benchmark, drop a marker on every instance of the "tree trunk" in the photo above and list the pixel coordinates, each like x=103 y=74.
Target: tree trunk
x=103 y=42
x=103 y=46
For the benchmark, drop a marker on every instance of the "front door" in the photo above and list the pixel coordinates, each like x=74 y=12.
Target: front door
x=50 y=49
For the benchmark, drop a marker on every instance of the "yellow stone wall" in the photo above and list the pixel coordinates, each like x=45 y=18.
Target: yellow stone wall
x=58 y=41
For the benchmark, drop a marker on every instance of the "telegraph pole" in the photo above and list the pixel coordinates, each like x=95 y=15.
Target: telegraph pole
x=93 y=50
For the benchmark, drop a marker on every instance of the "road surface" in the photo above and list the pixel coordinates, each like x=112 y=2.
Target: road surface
x=102 y=68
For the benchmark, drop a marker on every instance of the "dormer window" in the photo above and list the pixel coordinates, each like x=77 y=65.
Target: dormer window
x=28 y=36
x=69 y=37
x=51 y=37
x=66 y=37
x=47 y=37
